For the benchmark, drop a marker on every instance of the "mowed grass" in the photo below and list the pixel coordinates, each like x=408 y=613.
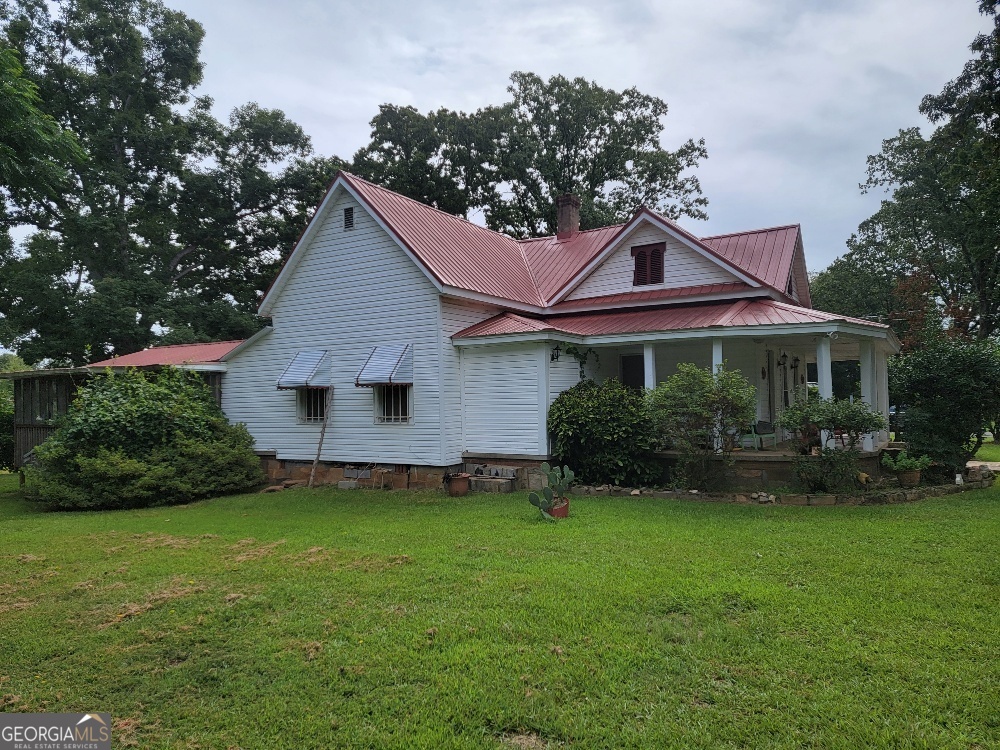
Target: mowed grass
x=989 y=451
x=362 y=619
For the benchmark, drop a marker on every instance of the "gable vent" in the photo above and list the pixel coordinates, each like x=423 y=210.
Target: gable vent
x=349 y=217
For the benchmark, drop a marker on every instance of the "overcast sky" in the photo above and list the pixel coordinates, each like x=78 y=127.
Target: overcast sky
x=790 y=95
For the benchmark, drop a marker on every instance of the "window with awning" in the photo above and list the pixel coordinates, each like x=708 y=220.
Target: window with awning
x=388 y=371
x=307 y=369
x=390 y=364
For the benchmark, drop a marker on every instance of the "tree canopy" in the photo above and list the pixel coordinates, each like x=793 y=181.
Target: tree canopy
x=939 y=229
x=174 y=223
x=511 y=160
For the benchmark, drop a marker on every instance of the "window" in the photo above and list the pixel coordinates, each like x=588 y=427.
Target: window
x=312 y=404
x=648 y=264
x=349 y=217
x=392 y=403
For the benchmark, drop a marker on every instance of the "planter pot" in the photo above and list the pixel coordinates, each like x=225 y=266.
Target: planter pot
x=909 y=478
x=561 y=511
x=458 y=484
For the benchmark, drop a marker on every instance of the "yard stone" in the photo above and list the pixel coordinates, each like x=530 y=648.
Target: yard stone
x=822 y=500
x=635 y=493
x=795 y=500
x=347 y=484
x=273 y=488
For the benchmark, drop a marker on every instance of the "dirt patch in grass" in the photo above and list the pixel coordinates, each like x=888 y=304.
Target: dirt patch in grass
x=524 y=741
x=19 y=604
x=378 y=563
x=159 y=541
x=176 y=590
x=249 y=549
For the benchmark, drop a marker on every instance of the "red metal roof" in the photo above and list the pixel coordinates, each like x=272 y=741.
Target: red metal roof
x=456 y=251
x=467 y=256
x=765 y=253
x=176 y=354
x=739 y=313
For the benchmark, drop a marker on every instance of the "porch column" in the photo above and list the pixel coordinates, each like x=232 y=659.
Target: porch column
x=824 y=367
x=867 y=360
x=649 y=366
x=824 y=374
x=716 y=364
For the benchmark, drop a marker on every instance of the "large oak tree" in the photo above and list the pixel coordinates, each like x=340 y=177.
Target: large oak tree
x=174 y=223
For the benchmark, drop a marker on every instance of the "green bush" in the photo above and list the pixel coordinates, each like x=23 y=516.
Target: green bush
x=951 y=391
x=135 y=440
x=703 y=415
x=604 y=432
x=808 y=416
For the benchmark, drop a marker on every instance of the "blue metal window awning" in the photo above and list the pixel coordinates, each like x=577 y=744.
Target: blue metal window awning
x=308 y=369
x=391 y=364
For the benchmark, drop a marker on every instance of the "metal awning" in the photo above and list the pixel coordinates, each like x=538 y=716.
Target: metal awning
x=308 y=369
x=391 y=364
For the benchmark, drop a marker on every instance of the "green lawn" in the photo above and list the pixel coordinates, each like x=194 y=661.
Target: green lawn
x=989 y=452
x=361 y=619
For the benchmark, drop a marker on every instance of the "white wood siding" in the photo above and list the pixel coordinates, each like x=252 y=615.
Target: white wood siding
x=455 y=315
x=564 y=374
x=502 y=396
x=682 y=266
x=352 y=290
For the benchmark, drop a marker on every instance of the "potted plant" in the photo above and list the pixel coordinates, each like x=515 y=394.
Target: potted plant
x=554 y=501
x=907 y=468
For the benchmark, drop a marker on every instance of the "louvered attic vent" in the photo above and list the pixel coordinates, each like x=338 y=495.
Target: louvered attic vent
x=349 y=217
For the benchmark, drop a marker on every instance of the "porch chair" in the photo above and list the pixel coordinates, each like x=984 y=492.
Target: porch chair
x=763 y=431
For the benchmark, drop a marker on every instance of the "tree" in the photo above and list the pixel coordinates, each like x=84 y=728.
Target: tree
x=175 y=223
x=512 y=160
x=703 y=415
x=942 y=221
x=951 y=389
x=33 y=148
x=8 y=363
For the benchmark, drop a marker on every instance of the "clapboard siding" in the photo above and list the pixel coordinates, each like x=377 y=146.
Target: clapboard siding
x=456 y=315
x=500 y=396
x=562 y=375
x=682 y=267
x=351 y=290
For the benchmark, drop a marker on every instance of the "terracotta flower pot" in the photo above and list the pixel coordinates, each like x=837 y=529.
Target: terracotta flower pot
x=909 y=478
x=561 y=511
x=458 y=484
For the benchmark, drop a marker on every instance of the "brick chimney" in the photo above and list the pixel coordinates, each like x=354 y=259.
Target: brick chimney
x=567 y=216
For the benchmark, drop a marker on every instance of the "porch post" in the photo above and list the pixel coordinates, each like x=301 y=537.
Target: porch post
x=824 y=374
x=867 y=361
x=649 y=366
x=716 y=364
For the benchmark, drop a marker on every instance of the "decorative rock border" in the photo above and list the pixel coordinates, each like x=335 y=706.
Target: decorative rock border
x=874 y=497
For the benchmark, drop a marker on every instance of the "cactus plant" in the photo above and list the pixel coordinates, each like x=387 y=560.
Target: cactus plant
x=556 y=494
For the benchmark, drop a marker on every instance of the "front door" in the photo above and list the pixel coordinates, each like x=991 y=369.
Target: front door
x=633 y=371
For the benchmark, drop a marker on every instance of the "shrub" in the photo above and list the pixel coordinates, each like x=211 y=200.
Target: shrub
x=135 y=440
x=903 y=462
x=604 y=432
x=951 y=390
x=808 y=416
x=703 y=415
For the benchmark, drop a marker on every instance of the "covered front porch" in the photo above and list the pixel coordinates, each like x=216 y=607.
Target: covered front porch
x=781 y=368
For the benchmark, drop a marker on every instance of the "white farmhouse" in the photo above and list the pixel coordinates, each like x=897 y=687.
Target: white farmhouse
x=424 y=340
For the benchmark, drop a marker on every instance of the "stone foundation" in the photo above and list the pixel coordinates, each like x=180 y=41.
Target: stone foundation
x=280 y=472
